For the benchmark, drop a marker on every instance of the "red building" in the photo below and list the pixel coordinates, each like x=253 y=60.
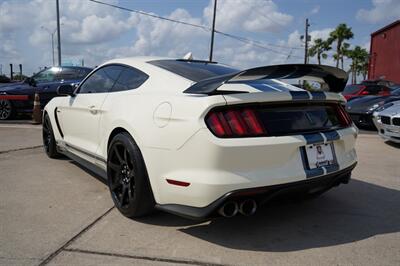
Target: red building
x=384 y=60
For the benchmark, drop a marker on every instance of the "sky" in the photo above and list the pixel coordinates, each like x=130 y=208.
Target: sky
x=96 y=33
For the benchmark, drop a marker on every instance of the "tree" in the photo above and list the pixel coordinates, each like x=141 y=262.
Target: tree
x=344 y=51
x=318 y=49
x=339 y=35
x=359 y=63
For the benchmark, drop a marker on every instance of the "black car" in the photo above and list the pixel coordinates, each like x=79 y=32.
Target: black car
x=362 y=108
x=18 y=97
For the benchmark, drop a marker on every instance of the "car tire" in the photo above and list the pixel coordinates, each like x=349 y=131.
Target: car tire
x=127 y=177
x=49 y=142
x=6 y=110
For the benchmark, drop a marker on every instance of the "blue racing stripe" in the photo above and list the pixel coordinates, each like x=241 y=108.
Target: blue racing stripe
x=331 y=135
x=318 y=95
x=300 y=95
x=267 y=86
x=313 y=138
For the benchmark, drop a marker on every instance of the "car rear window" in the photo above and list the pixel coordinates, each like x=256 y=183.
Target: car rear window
x=293 y=118
x=194 y=70
x=351 y=89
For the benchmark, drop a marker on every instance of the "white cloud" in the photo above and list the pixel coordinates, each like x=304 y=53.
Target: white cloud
x=98 y=29
x=97 y=33
x=249 y=15
x=383 y=10
x=294 y=37
x=315 y=10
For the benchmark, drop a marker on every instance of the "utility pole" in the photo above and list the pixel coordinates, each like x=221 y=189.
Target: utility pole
x=11 y=72
x=58 y=33
x=52 y=42
x=306 y=43
x=20 y=71
x=213 y=31
x=52 y=47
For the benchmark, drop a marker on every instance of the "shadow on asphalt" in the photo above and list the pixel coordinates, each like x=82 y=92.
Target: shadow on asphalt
x=393 y=144
x=346 y=214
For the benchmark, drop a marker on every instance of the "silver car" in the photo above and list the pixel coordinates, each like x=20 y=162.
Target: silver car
x=387 y=121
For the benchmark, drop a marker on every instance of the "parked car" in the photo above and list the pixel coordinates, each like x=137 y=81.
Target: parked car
x=18 y=97
x=201 y=139
x=387 y=121
x=365 y=89
x=362 y=108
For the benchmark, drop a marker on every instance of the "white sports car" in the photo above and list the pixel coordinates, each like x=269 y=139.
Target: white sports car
x=200 y=139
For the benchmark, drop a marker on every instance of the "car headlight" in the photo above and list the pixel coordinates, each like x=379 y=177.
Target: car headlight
x=373 y=107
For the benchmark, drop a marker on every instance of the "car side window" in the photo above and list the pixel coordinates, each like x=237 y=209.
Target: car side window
x=129 y=79
x=68 y=73
x=101 y=80
x=373 y=90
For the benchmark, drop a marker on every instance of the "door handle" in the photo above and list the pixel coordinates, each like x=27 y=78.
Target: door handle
x=92 y=109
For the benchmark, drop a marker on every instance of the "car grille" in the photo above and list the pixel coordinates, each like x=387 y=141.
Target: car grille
x=385 y=120
x=396 y=121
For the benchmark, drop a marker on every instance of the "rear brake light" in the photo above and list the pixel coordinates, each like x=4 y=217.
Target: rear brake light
x=235 y=123
x=343 y=116
x=252 y=121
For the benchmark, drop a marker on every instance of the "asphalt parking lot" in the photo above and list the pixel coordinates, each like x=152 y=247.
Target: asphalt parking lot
x=54 y=212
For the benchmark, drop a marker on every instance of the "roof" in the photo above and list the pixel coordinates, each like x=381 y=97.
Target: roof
x=134 y=60
x=391 y=25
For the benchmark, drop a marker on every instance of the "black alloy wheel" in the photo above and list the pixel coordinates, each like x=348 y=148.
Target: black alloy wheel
x=6 y=110
x=49 y=142
x=127 y=177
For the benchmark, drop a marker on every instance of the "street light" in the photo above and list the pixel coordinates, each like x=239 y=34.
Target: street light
x=52 y=39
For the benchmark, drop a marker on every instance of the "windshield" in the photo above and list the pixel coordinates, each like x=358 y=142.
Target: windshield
x=351 y=89
x=194 y=70
x=47 y=75
x=396 y=91
x=64 y=73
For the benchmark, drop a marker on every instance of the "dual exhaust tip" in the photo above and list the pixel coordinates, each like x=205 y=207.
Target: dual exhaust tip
x=231 y=208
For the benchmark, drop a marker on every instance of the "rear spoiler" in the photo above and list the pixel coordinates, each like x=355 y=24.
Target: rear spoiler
x=335 y=78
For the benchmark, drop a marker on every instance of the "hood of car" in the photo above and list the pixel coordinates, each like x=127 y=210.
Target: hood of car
x=16 y=88
x=393 y=110
x=365 y=103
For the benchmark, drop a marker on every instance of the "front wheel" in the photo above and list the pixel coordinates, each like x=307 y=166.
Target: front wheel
x=6 y=110
x=49 y=142
x=127 y=177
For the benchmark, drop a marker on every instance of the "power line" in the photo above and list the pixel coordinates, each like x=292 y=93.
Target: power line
x=152 y=15
x=239 y=38
x=254 y=43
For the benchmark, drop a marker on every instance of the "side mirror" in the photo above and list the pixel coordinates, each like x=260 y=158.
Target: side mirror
x=30 y=81
x=66 y=90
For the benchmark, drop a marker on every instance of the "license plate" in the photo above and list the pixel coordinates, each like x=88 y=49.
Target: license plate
x=320 y=155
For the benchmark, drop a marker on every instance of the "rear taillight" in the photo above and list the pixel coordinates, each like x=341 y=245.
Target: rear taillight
x=343 y=116
x=235 y=123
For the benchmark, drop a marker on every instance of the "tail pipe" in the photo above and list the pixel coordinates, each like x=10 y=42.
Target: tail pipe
x=248 y=207
x=229 y=209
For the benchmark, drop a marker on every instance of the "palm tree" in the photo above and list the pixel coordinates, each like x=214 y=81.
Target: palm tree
x=339 y=35
x=359 y=64
x=344 y=51
x=318 y=49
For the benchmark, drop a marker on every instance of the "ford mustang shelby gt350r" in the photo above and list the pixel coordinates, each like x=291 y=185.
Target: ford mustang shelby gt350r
x=200 y=139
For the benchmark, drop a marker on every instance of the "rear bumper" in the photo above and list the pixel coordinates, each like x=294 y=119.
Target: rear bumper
x=261 y=194
x=214 y=167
